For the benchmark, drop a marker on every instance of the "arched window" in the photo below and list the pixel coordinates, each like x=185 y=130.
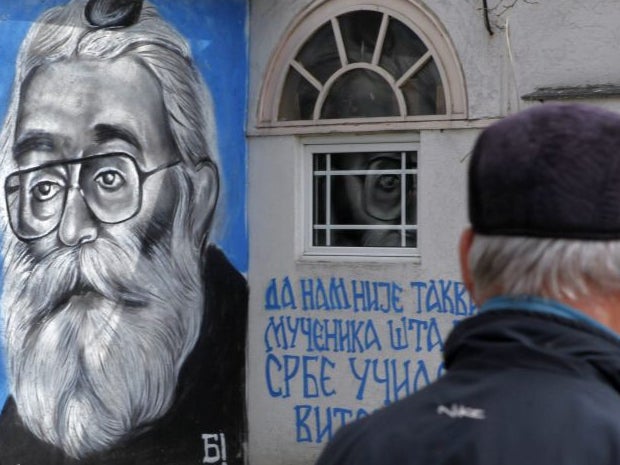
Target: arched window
x=362 y=64
x=384 y=61
x=347 y=66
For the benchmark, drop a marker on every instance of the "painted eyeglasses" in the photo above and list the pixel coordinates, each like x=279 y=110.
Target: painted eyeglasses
x=110 y=184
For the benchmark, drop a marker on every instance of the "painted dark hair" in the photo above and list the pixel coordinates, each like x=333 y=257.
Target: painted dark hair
x=112 y=13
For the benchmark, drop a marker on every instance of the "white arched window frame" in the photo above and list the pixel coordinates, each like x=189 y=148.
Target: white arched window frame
x=413 y=15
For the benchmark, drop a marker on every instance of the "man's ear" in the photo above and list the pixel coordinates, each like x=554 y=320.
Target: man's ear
x=206 y=190
x=467 y=239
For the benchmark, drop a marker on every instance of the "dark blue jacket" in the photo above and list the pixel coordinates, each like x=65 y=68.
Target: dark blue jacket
x=521 y=389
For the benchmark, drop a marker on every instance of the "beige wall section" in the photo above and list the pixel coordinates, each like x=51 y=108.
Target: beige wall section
x=552 y=43
x=565 y=43
x=442 y=199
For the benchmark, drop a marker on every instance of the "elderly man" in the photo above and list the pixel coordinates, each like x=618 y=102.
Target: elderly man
x=535 y=377
x=124 y=331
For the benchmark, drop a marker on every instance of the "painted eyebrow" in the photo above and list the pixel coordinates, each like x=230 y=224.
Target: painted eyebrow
x=108 y=132
x=31 y=141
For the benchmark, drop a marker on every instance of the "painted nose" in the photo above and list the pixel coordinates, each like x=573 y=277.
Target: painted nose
x=77 y=224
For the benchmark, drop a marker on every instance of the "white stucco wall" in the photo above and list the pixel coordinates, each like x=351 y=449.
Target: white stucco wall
x=277 y=434
x=552 y=43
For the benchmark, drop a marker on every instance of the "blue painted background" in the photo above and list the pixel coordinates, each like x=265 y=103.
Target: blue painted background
x=216 y=31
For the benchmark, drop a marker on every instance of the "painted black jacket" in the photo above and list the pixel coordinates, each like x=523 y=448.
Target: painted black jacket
x=521 y=389
x=210 y=394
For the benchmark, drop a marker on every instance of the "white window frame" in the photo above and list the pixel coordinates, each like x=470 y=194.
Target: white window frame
x=352 y=143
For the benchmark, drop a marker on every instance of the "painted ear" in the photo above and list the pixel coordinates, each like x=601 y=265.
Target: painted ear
x=113 y=13
x=204 y=200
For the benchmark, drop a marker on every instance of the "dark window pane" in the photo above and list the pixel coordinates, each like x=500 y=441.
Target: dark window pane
x=319 y=161
x=411 y=239
x=298 y=98
x=370 y=238
x=319 y=238
x=412 y=160
x=319 y=200
x=350 y=161
x=401 y=49
x=346 y=238
x=346 y=196
x=360 y=93
x=424 y=92
x=319 y=55
x=411 y=189
x=359 y=33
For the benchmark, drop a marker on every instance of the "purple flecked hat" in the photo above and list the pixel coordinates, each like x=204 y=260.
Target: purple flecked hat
x=549 y=171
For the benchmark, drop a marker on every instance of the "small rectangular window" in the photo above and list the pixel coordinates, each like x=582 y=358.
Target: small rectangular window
x=363 y=199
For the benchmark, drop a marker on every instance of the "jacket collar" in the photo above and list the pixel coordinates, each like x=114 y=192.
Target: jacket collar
x=544 y=306
x=507 y=338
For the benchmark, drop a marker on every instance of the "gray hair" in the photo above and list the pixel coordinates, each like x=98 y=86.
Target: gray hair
x=62 y=32
x=552 y=268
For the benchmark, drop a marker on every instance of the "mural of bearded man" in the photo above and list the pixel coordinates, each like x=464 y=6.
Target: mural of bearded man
x=124 y=329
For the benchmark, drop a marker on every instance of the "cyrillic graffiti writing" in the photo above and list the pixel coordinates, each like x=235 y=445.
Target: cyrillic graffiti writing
x=320 y=335
x=442 y=296
x=397 y=378
x=215 y=448
x=318 y=424
x=310 y=374
x=415 y=334
x=342 y=343
x=335 y=294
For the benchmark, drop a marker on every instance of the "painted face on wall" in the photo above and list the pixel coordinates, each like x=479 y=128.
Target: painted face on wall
x=100 y=313
x=93 y=150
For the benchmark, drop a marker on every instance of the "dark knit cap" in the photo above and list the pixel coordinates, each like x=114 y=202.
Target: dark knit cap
x=549 y=171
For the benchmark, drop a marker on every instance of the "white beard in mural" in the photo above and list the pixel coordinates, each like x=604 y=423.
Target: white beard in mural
x=96 y=334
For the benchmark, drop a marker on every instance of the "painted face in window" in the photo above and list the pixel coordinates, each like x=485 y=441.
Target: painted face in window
x=376 y=193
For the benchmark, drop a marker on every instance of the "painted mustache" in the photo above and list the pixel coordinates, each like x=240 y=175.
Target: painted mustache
x=106 y=269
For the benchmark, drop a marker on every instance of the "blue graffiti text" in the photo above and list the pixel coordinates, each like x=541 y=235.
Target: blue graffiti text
x=318 y=424
x=442 y=296
x=335 y=294
x=416 y=334
x=396 y=378
x=309 y=376
x=321 y=334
